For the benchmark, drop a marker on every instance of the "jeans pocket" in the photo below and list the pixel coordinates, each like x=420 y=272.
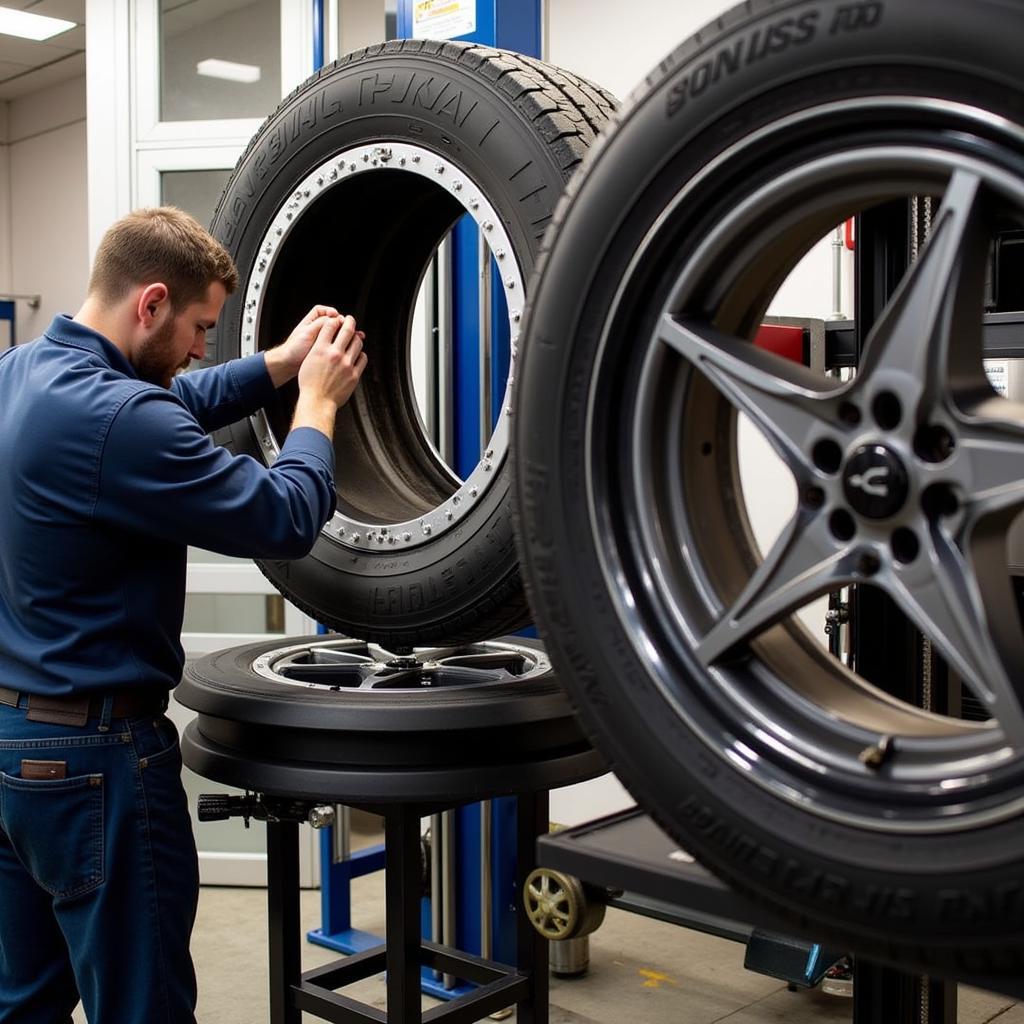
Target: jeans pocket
x=56 y=828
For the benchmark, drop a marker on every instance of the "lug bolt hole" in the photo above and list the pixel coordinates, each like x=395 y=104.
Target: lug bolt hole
x=827 y=456
x=868 y=564
x=933 y=443
x=939 y=500
x=814 y=497
x=887 y=410
x=905 y=546
x=849 y=413
x=842 y=525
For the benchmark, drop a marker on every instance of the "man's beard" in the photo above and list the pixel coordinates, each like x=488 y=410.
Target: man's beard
x=152 y=357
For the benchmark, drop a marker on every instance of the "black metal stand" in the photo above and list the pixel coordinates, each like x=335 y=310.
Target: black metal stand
x=403 y=953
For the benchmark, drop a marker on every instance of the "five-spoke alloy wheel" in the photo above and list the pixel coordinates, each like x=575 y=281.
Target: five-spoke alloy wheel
x=775 y=761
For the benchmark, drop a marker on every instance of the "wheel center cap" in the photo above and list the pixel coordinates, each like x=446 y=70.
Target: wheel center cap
x=875 y=481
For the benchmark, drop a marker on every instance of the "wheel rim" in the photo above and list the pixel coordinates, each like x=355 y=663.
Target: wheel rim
x=397 y=492
x=710 y=616
x=356 y=666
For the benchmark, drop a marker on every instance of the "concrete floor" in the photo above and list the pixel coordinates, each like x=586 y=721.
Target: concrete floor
x=642 y=971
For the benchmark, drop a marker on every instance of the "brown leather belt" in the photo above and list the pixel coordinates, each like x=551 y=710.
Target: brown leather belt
x=76 y=709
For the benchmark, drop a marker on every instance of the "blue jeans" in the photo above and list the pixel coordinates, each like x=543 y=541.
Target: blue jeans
x=99 y=878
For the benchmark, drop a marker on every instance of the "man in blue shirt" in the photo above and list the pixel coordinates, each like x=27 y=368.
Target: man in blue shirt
x=107 y=474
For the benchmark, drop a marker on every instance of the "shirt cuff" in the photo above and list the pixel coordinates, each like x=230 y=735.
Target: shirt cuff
x=255 y=388
x=309 y=441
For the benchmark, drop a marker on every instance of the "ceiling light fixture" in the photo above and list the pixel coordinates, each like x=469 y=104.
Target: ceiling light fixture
x=229 y=70
x=31 y=26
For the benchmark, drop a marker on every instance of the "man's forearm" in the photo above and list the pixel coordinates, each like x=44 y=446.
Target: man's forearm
x=279 y=366
x=316 y=411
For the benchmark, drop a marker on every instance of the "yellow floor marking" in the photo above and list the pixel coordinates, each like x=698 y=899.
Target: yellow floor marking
x=655 y=978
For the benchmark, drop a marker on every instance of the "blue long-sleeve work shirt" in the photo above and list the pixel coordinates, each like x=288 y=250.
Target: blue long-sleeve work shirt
x=104 y=481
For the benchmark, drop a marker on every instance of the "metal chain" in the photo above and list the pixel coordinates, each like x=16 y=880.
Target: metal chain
x=920 y=228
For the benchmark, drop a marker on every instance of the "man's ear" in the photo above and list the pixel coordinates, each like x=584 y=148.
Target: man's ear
x=150 y=300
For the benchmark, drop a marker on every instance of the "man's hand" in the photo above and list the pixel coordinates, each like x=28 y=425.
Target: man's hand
x=329 y=373
x=283 y=362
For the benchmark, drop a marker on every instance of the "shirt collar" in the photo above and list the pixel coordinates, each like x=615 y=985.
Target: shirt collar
x=66 y=331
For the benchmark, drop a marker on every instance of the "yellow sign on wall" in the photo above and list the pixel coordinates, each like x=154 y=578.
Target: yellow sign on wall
x=443 y=19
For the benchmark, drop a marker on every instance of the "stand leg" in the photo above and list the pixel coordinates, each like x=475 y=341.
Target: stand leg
x=531 y=946
x=283 y=914
x=402 y=889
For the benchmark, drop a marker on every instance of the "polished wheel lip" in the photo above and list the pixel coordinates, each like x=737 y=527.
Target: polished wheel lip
x=446 y=174
x=731 y=745
x=375 y=663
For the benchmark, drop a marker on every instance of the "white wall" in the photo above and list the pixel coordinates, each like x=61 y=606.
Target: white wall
x=360 y=23
x=616 y=44
x=48 y=226
x=5 y=219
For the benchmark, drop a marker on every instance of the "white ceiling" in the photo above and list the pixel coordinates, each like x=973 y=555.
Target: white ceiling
x=26 y=66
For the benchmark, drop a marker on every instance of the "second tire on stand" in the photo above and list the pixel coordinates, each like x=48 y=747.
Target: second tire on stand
x=342 y=198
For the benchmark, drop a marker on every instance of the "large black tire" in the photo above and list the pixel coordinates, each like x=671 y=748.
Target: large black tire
x=342 y=198
x=848 y=850
x=327 y=716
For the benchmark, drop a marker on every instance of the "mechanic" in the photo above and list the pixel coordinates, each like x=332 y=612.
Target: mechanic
x=108 y=473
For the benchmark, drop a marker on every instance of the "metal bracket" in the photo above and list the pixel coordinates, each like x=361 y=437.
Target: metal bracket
x=33 y=301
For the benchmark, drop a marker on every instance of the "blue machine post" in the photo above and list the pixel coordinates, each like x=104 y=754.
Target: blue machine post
x=336 y=931
x=318 y=34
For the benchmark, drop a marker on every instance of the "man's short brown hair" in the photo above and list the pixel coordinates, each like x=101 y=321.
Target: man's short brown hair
x=165 y=244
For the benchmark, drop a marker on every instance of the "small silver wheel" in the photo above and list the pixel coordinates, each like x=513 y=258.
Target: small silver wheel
x=559 y=907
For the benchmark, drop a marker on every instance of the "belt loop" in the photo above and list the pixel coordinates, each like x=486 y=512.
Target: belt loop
x=106 y=713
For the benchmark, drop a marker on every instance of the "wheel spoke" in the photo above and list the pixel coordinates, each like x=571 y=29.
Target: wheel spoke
x=404 y=679
x=381 y=654
x=511 y=661
x=455 y=675
x=965 y=606
x=326 y=656
x=439 y=653
x=804 y=563
x=349 y=676
x=994 y=453
x=931 y=330
x=787 y=401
